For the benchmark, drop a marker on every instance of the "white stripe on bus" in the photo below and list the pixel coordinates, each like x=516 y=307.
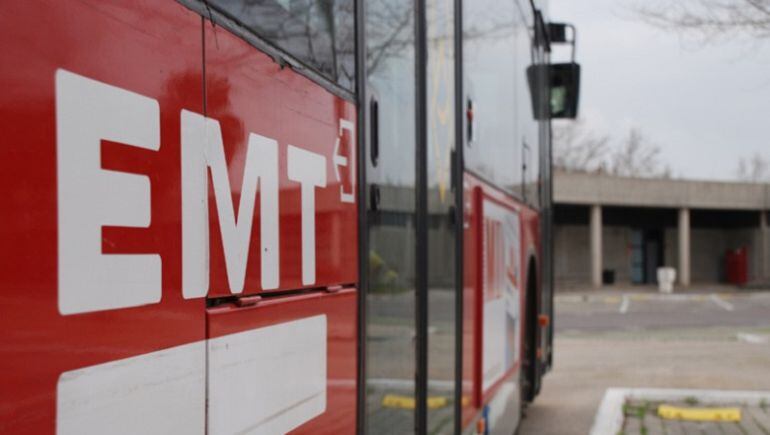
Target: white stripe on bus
x=266 y=380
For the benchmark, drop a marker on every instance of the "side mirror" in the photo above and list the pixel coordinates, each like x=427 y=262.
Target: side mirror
x=564 y=84
x=559 y=99
x=561 y=33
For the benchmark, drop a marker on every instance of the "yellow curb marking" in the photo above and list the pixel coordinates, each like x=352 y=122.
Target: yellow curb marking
x=699 y=414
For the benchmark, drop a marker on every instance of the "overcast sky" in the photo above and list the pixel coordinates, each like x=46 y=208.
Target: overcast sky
x=705 y=106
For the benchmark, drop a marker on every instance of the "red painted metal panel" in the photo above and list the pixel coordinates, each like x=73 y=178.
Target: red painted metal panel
x=476 y=192
x=153 y=50
x=247 y=92
x=340 y=311
x=147 y=47
x=471 y=275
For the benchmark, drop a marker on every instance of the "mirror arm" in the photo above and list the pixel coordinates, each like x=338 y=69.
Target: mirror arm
x=573 y=42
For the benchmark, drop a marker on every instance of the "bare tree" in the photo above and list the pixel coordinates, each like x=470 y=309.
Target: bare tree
x=578 y=149
x=637 y=157
x=709 y=19
x=754 y=169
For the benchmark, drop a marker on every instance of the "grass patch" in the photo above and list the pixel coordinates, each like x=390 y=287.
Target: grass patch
x=638 y=411
x=692 y=401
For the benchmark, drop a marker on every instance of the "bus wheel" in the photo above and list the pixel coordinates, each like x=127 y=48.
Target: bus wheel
x=529 y=366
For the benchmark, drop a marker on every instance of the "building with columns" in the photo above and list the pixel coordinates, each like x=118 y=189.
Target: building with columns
x=619 y=229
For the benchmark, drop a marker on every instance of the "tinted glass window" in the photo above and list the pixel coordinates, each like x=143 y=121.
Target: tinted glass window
x=502 y=142
x=390 y=175
x=442 y=295
x=320 y=33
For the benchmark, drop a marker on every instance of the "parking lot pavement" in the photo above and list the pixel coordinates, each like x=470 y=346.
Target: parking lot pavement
x=700 y=340
x=650 y=311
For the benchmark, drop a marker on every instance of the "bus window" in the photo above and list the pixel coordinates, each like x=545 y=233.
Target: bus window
x=391 y=215
x=319 y=33
x=528 y=135
x=490 y=51
x=442 y=295
x=504 y=146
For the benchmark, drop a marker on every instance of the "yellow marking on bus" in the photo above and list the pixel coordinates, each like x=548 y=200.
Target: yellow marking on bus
x=699 y=414
x=408 y=402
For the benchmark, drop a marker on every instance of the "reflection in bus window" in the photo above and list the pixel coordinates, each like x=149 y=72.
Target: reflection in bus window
x=496 y=53
x=391 y=294
x=442 y=295
x=320 y=33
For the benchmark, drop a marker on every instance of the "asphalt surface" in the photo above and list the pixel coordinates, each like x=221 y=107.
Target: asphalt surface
x=703 y=339
x=650 y=311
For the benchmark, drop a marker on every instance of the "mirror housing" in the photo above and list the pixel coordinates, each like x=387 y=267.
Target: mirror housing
x=559 y=99
x=558 y=33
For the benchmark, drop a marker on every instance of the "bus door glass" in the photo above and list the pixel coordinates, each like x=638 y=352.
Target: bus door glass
x=442 y=295
x=390 y=211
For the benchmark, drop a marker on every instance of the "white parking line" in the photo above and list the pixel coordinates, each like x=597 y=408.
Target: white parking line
x=752 y=338
x=624 y=304
x=721 y=302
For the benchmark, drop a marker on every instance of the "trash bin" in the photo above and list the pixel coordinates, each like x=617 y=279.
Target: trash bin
x=666 y=278
x=608 y=276
x=737 y=266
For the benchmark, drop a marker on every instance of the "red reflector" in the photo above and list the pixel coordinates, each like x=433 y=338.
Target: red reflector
x=543 y=320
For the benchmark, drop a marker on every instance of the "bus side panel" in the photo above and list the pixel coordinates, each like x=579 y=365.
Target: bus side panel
x=284 y=365
x=500 y=240
x=147 y=52
x=247 y=92
x=471 y=233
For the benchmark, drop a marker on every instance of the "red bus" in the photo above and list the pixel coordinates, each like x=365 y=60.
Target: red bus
x=273 y=216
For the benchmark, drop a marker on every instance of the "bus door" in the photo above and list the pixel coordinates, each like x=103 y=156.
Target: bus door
x=390 y=211
x=442 y=223
x=411 y=227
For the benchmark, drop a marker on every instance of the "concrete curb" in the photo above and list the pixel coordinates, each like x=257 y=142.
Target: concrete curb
x=609 y=417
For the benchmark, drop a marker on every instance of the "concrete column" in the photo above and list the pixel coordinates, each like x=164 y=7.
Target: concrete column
x=684 y=247
x=763 y=265
x=596 y=245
